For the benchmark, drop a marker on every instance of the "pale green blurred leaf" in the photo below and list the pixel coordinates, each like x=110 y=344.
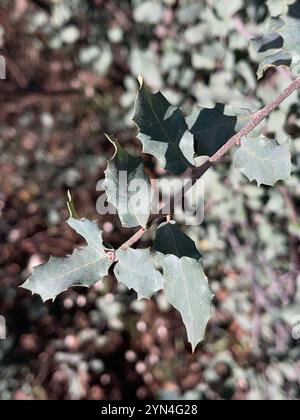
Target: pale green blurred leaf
x=148 y=12
x=213 y=127
x=162 y=128
x=279 y=7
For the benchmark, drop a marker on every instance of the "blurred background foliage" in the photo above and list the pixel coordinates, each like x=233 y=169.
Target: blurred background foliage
x=71 y=77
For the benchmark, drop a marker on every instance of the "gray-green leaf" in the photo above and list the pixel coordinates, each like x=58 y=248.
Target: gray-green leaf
x=135 y=269
x=162 y=130
x=170 y=240
x=83 y=268
x=128 y=187
x=187 y=289
x=263 y=160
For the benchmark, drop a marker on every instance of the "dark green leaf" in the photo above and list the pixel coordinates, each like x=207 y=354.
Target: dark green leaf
x=135 y=268
x=162 y=130
x=213 y=127
x=83 y=268
x=170 y=240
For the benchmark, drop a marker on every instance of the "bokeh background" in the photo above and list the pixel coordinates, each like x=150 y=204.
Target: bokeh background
x=71 y=77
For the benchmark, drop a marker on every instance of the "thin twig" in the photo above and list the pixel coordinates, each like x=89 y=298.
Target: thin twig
x=136 y=237
x=197 y=173
x=256 y=119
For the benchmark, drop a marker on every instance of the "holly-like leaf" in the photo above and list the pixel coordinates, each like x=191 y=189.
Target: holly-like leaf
x=281 y=46
x=187 y=289
x=128 y=187
x=89 y=231
x=83 y=268
x=263 y=160
x=135 y=269
x=162 y=130
x=213 y=127
x=170 y=240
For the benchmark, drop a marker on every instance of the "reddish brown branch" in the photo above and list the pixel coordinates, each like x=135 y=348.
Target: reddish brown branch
x=197 y=173
x=256 y=119
x=136 y=237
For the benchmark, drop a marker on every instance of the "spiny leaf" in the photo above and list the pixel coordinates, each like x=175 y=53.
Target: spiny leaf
x=187 y=289
x=72 y=211
x=89 y=231
x=281 y=46
x=263 y=160
x=128 y=187
x=135 y=268
x=170 y=240
x=162 y=130
x=213 y=127
x=83 y=268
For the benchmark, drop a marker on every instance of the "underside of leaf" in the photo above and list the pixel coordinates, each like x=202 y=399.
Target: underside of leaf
x=128 y=187
x=135 y=268
x=280 y=46
x=83 y=268
x=187 y=289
